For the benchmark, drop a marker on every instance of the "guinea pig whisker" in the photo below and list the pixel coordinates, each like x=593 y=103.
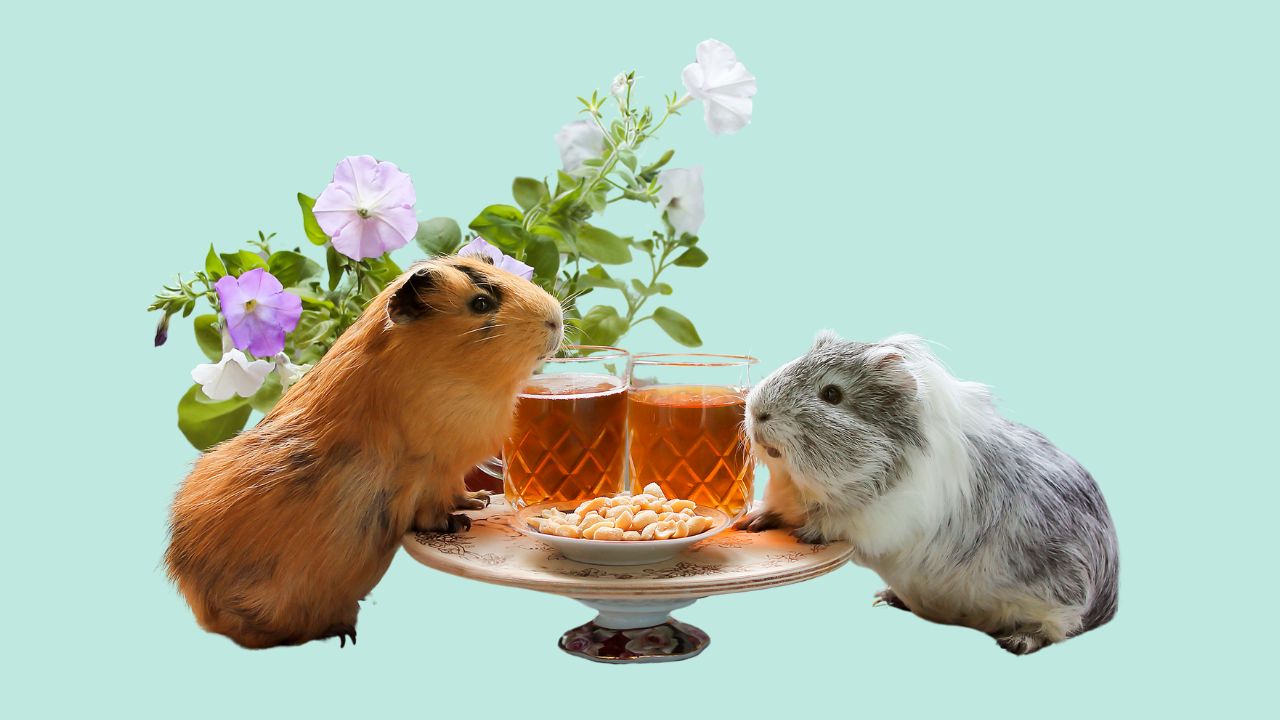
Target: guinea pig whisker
x=574 y=296
x=484 y=328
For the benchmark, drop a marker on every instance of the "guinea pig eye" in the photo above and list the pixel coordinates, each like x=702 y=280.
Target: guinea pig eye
x=831 y=394
x=481 y=304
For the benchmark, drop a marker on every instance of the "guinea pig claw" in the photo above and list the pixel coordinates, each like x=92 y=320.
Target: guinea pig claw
x=340 y=631
x=809 y=535
x=1021 y=643
x=888 y=597
x=477 y=500
x=459 y=523
x=759 y=522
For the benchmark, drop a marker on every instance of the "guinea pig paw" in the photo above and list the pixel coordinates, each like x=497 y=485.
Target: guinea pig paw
x=455 y=523
x=477 y=500
x=1020 y=643
x=888 y=597
x=458 y=523
x=810 y=535
x=759 y=521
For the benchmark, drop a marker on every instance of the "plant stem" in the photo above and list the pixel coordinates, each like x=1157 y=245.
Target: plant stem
x=657 y=127
x=655 y=269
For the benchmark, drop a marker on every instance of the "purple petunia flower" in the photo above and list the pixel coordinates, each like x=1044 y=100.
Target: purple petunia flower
x=258 y=311
x=480 y=246
x=368 y=208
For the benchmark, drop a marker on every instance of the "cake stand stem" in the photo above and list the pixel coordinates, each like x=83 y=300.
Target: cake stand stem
x=632 y=614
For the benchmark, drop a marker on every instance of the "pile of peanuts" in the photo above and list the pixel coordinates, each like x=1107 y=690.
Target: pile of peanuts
x=647 y=516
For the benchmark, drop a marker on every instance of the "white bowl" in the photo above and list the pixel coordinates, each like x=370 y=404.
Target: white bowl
x=616 y=552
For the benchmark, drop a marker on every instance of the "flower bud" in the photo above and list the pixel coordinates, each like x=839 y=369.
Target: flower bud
x=162 y=329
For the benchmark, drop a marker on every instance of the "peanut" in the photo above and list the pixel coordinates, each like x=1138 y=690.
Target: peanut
x=649 y=515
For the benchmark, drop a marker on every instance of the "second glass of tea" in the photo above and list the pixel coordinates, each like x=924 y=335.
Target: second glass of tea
x=569 y=437
x=685 y=420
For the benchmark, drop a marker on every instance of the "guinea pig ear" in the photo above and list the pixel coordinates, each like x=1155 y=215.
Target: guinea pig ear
x=824 y=338
x=890 y=364
x=410 y=299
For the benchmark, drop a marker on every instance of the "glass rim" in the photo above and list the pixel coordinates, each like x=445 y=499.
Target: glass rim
x=700 y=360
x=612 y=353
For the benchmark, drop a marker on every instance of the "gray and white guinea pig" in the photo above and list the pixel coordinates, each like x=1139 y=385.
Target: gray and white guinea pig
x=971 y=519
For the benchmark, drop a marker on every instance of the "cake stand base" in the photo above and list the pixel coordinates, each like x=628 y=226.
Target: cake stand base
x=635 y=631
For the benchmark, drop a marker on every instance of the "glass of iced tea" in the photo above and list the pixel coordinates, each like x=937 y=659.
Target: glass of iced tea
x=570 y=430
x=684 y=419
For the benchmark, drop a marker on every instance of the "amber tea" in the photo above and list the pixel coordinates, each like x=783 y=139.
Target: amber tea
x=568 y=439
x=689 y=440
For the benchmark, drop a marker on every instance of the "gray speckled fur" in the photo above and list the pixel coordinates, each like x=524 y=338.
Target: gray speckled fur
x=970 y=518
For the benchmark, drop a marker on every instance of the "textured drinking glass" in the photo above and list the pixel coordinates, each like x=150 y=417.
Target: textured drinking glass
x=570 y=430
x=684 y=417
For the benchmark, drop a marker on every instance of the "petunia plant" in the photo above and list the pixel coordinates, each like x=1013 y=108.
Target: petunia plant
x=274 y=313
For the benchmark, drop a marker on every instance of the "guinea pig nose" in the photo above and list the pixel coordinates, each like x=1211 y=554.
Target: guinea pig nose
x=552 y=324
x=762 y=416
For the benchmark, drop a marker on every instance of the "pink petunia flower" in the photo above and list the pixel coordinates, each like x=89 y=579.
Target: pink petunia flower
x=368 y=208
x=482 y=247
x=258 y=311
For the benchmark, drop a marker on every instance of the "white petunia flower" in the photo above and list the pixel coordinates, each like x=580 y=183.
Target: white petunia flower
x=619 y=86
x=680 y=197
x=579 y=140
x=287 y=371
x=235 y=374
x=723 y=85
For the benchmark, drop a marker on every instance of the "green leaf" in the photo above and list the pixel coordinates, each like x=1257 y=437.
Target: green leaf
x=628 y=158
x=529 y=192
x=566 y=183
x=268 y=395
x=309 y=224
x=603 y=246
x=647 y=290
x=310 y=298
x=677 y=326
x=206 y=423
x=213 y=265
x=598 y=199
x=555 y=235
x=597 y=276
x=383 y=269
x=645 y=246
x=542 y=254
x=503 y=226
x=566 y=195
x=438 y=236
x=602 y=325
x=335 y=262
x=313 y=325
x=238 y=263
x=693 y=257
x=208 y=336
x=291 y=268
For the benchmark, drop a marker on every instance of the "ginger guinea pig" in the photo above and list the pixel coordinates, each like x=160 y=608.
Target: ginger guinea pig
x=278 y=532
x=971 y=519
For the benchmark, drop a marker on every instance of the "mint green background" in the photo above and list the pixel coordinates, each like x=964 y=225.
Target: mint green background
x=1078 y=203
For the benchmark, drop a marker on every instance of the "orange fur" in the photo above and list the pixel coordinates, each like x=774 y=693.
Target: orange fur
x=278 y=532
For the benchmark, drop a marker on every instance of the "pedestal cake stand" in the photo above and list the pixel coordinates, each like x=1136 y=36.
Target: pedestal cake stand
x=633 y=603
